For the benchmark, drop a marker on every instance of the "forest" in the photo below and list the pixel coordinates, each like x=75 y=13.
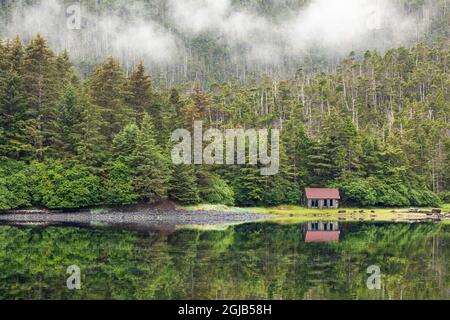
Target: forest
x=376 y=126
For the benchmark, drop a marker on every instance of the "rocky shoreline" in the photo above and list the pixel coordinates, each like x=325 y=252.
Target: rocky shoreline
x=141 y=217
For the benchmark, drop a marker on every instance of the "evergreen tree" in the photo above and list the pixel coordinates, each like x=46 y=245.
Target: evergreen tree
x=125 y=142
x=152 y=168
x=183 y=185
x=41 y=95
x=197 y=107
x=15 y=55
x=68 y=123
x=107 y=90
x=13 y=131
x=140 y=91
x=93 y=148
x=64 y=71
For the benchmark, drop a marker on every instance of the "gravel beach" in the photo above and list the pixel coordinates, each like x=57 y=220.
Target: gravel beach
x=139 y=218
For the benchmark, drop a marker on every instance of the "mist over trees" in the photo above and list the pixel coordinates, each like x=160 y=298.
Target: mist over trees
x=226 y=40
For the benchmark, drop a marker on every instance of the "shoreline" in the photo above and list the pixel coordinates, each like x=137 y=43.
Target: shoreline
x=169 y=214
x=148 y=217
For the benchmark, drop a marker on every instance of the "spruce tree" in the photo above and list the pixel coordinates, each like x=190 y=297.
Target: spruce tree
x=107 y=90
x=16 y=55
x=13 y=137
x=68 y=123
x=183 y=185
x=197 y=107
x=41 y=94
x=152 y=167
x=140 y=91
x=3 y=56
x=64 y=71
x=93 y=148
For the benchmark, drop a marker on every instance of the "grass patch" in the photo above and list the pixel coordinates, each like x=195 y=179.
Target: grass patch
x=296 y=214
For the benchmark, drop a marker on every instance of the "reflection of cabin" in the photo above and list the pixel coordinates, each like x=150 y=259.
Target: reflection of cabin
x=321 y=198
x=319 y=232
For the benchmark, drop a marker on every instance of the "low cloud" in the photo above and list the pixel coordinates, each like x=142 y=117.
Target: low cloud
x=338 y=26
x=101 y=34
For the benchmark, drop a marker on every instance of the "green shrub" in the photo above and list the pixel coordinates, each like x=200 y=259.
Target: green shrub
x=445 y=196
x=217 y=191
x=282 y=191
x=356 y=192
x=56 y=186
x=75 y=188
x=14 y=185
x=118 y=185
x=428 y=198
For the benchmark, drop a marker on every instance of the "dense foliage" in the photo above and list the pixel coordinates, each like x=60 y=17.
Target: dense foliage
x=377 y=127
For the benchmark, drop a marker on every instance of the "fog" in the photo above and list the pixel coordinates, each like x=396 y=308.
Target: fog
x=97 y=35
x=163 y=37
x=338 y=26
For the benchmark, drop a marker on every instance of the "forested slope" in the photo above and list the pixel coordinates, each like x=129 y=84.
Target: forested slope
x=377 y=126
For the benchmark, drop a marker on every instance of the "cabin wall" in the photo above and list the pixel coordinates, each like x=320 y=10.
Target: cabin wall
x=308 y=204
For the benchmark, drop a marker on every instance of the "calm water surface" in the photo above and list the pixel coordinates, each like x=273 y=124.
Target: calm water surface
x=250 y=261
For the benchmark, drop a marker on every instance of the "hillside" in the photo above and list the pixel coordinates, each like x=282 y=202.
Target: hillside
x=376 y=127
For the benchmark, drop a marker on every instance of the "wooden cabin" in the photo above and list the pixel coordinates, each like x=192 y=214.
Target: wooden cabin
x=321 y=198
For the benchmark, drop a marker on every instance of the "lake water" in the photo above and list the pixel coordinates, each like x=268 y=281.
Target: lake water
x=249 y=261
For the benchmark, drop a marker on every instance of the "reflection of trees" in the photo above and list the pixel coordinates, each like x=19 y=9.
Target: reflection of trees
x=248 y=261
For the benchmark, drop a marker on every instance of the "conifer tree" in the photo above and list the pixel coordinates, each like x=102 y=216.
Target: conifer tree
x=107 y=90
x=3 y=56
x=68 y=123
x=13 y=134
x=93 y=147
x=40 y=90
x=197 y=107
x=124 y=144
x=184 y=185
x=152 y=168
x=172 y=118
x=140 y=91
x=64 y=71
x=15 y=55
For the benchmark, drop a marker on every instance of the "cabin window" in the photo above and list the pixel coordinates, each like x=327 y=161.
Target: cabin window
x=331 y=227
x=314 y=227
x=331 y=203
x=315 y=203
x=325 y=203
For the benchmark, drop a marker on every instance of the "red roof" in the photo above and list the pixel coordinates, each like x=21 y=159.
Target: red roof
x=322 y=236
x=322 y=193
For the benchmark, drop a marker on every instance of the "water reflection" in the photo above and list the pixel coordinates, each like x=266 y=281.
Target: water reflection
x=322 y=232
x=251 y=261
